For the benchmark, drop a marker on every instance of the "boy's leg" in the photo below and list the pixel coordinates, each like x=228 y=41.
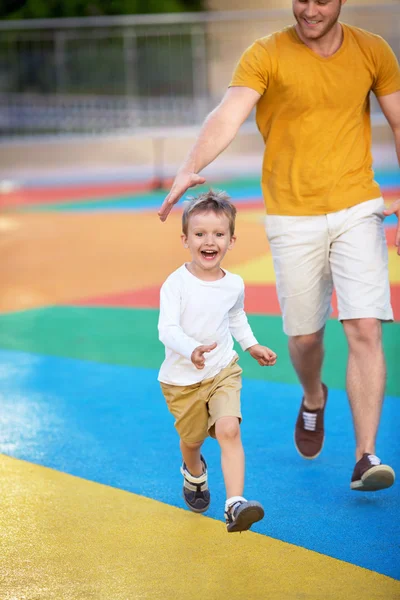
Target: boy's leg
x=227 y=432
x=224 y=424
x=240 y=514
x=195 y=484
x=191 y=457
x=188 y=405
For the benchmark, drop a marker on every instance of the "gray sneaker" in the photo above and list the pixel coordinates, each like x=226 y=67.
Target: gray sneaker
x=241 y=515
x=195 y=489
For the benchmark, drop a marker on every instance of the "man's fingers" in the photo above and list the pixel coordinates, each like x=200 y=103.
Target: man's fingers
x=168 y=203
x=394 y=207
x=178 y=189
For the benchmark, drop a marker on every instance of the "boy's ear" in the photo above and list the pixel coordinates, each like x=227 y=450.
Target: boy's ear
x=232 y=242
x=184 y=240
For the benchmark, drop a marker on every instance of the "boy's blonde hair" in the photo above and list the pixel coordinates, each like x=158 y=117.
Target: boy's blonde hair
x=216 y=201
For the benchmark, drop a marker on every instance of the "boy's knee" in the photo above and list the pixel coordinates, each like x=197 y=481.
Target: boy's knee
x=227 y=428
x=192 y=445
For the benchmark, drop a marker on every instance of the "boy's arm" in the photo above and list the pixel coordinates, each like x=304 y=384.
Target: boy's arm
x=170 y=331
x=239 y=325
x=242 y=332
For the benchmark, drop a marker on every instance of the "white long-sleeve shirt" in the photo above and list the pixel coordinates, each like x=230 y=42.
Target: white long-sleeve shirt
x=194 y=312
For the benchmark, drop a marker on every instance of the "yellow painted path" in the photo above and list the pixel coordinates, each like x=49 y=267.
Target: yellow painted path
x=64 y=538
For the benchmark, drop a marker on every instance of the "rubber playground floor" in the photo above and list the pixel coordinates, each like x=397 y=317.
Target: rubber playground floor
x=90 y=503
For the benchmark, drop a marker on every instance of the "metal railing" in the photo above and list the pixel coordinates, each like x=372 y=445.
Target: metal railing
x=110 y=74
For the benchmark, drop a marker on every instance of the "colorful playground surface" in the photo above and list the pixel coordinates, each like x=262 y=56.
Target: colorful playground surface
x=91 y=504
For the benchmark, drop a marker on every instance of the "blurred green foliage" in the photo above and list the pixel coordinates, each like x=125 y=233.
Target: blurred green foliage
x=43 y=9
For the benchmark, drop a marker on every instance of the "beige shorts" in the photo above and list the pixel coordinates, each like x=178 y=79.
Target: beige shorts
x=198 y=407
x=345 y=250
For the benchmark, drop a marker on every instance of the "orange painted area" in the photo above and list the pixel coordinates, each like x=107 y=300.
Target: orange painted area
x=55 y=258
x=51 y=258
x=121 y=259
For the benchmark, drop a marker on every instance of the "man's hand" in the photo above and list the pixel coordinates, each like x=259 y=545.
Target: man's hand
x=394 y=209
x=263 y=355
x=197 y=357
x=183 y=181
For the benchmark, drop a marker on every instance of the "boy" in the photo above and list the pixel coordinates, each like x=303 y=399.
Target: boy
x=201 y=307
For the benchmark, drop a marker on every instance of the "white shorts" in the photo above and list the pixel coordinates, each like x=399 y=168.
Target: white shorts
x=346 y=250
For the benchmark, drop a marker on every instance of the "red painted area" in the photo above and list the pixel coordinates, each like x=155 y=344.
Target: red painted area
x=51 y=195
x=259 y=299
x=144 y=298
x=391 y=194
x=85 y=192
x=391 y=235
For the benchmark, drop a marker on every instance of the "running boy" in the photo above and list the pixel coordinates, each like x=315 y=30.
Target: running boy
x=201 y=307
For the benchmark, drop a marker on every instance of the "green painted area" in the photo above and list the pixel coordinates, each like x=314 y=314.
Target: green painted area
x=134 y=200
x=129 y=337
x=240 y=186
x=129 y=201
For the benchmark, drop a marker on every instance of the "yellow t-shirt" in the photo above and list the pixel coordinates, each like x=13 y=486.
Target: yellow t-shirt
x=314 y=116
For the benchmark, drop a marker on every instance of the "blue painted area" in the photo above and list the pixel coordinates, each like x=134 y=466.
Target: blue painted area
x=388 y=179
x=137 y=204
x=147 y=202
x=109 y=424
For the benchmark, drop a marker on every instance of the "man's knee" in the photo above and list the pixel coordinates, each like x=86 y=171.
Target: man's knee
x=363 y=331
x=307 y=343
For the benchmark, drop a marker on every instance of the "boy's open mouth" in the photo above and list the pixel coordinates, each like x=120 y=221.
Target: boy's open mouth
x=209 y=254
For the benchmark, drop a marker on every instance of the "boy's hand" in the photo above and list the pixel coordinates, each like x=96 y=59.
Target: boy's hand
x=263 y=355
x=197 y=357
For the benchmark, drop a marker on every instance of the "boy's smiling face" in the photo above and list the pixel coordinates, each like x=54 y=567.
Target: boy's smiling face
x=208 y=239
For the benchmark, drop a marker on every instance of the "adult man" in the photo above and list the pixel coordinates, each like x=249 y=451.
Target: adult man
x=311 y=85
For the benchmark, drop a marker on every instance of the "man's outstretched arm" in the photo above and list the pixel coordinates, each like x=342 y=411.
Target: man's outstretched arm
x=218 y=131
x=390 y=106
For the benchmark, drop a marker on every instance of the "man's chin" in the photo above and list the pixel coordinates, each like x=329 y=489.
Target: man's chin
x=311 y=33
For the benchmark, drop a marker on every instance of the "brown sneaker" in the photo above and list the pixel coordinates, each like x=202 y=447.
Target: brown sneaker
x=309 y=432
x=370 y=474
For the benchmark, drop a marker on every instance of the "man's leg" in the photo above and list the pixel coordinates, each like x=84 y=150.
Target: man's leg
x=366 y=378
x=307 y=355
x=300 y=250
x=359 y=264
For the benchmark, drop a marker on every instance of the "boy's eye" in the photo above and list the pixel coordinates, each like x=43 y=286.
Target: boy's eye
x=199 y=234
x=220 y=235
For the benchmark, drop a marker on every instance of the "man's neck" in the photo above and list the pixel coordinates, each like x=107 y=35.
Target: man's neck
x=326 y=46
